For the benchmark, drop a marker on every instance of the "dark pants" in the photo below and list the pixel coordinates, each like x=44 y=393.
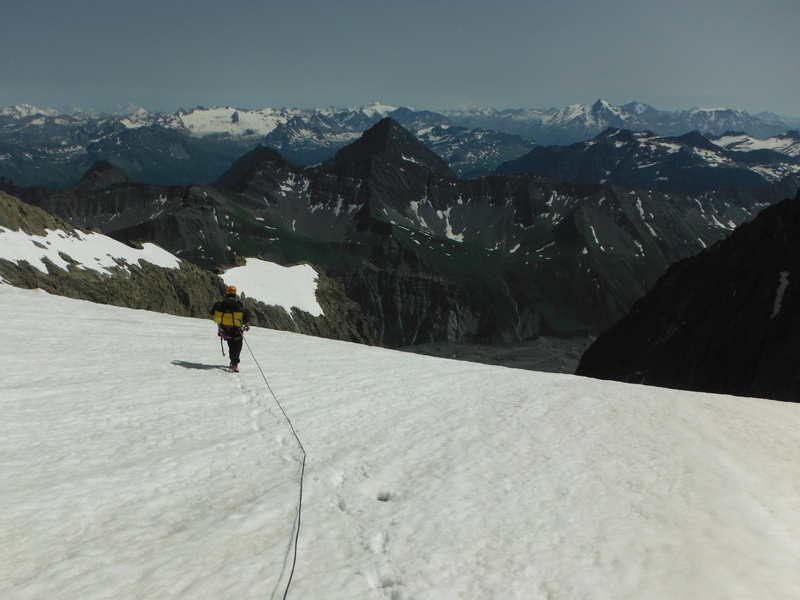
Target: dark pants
x=235 y=349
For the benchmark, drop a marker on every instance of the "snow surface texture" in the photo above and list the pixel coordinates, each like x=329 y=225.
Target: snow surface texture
x=277 y=285
x=133 y=466
x=93 y=251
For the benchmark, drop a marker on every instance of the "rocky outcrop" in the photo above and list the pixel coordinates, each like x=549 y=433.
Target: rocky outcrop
x=409 y=302
x=186 y=291
x=344 y=318
x=726 y=320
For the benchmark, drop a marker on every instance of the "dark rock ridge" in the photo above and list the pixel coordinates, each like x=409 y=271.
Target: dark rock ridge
x=428 y=256
x=726 y=320
x=187 y=291
x=386 y=141
x=688 y=164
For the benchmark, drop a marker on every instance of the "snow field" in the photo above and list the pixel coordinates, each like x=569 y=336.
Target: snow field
x=276 y=285
x=133 y=466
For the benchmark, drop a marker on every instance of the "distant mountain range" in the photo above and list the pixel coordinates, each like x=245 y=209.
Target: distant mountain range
x=584 y=121
x=44 y=148
x=689 y=163
x=430 y=257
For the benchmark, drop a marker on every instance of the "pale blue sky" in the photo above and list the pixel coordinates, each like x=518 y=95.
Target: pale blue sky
x=432 y=54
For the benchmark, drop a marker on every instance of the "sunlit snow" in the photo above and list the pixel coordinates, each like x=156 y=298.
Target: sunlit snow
x=204 y=121
x=376 y=109
x=276 y=285
x=745 y=143
x=92 y=251
x=133 y=466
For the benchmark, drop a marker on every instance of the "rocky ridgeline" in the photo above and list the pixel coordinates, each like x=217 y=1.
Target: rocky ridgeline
x=726 y=320
x=186 y=291
x=688 y=164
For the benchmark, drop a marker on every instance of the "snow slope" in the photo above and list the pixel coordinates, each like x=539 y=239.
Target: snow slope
x=741 y=142
x=133 y=466
x=92 y=251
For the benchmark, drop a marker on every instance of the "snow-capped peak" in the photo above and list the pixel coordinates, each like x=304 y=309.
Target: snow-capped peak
x=20 y=111
x=603 y=104
x=377 y=109
x=203 y=121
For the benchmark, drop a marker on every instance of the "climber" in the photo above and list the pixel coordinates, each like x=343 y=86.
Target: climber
x=232 y=320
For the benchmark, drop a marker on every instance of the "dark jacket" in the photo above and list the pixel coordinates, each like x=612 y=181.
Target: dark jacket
x=232 y=304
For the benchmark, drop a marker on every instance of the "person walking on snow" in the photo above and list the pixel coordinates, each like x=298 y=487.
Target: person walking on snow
x=232 y=320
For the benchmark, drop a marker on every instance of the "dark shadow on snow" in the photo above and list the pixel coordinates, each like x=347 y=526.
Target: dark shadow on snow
x=200 y=366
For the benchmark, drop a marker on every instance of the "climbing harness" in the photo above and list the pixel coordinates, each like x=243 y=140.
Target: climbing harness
x=302 y=468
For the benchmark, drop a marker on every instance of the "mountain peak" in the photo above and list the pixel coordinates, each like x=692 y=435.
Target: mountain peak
x=696 y=140
x=241 y=172
x=389 y=140
x=101 y=175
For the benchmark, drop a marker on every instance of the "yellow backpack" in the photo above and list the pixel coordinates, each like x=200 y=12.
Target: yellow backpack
x=228 y=318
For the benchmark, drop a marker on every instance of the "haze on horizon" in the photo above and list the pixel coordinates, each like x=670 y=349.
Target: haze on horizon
x=439 y=54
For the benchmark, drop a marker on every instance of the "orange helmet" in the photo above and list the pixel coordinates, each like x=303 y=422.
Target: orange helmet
x=231 y=290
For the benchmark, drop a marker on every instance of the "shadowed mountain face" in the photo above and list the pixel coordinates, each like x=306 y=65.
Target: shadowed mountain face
x=689 y=164
x=430 y=257
x=726 y=320
x=102 y=175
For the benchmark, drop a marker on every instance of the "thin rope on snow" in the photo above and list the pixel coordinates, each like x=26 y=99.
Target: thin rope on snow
x=302 y=468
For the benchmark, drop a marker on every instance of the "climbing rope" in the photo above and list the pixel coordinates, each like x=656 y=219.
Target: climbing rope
x=302 y=468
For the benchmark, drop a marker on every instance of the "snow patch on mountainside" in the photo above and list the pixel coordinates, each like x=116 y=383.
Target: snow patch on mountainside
x=785 y=144
x=91 y=251
x=276 y=285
